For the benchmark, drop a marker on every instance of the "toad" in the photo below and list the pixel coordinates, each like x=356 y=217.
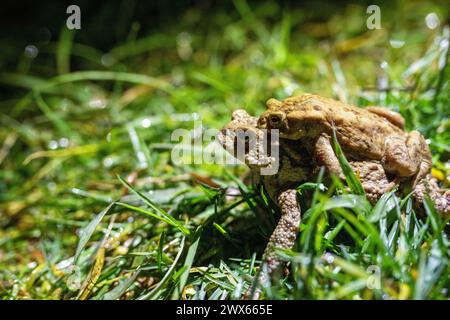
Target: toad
x=247 y=143
x=364 y=134
x=244 y=140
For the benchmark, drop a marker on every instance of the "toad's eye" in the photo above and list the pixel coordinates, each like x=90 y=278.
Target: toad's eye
x=275 y=120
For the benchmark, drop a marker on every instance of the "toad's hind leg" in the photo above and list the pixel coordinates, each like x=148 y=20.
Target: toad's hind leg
x=403 y=157
x=393 y=117
x=282 y=237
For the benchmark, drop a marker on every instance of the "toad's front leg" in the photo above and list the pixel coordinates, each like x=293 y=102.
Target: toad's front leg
x=324 y=154
x=282 y=237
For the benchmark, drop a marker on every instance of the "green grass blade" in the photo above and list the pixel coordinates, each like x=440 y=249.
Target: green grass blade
x=352 y=181
x=120 y=289
x=159 y=256
x=149 y=213
x=382 y=207
x=152 y=205
x=86 y=233
x=157 y=291
x=188 y=264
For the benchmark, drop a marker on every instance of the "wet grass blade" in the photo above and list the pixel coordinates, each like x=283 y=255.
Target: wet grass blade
x=121 y=288
x=382 y=207
x=352 y=181
x=188 y=264
x=159 y=256
x=152 y=205
x=63 y=50
x=356 y=202
x=157 y=291
x=149 y=213
x=86 y=233
x=93 y=275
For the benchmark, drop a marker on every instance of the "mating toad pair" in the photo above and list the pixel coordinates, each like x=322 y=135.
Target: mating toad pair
x=373 y=139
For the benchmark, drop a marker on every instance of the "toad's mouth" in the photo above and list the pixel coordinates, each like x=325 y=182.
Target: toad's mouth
x=246 y=145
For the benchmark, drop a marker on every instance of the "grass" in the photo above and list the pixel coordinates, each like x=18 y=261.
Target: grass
x=93 y=206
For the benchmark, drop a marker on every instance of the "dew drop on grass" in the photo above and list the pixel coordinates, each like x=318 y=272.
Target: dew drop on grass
x=108 y=162
x=145 y=123
x=329 y=257
x=53 y=144
x=107 y=60
x=432 y=20
x=31 y=51
x=64 y=142
x=396 y=43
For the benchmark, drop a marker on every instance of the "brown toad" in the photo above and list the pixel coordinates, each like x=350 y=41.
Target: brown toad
x=296 y=166
x=247 y=143
x=364 y=134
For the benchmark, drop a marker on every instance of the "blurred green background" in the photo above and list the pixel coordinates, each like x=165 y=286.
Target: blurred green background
x=79 y=107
